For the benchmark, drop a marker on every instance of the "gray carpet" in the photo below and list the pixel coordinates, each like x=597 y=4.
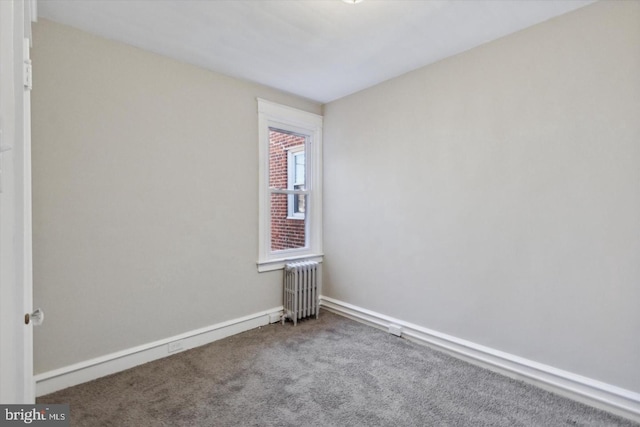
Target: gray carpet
x=326 y=372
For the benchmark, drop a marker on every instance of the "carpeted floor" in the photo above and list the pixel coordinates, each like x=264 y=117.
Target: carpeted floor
x=326 y=372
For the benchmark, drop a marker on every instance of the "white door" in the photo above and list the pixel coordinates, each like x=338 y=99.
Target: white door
x=16 y=337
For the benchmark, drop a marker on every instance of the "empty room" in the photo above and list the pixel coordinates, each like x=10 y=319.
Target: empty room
x=326 y=212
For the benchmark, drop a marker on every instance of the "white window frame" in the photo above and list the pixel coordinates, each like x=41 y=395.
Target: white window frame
x=272 y=115
x=292 y=153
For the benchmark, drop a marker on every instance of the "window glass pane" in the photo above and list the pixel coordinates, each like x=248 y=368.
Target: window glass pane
x=298 y=170
x=287 y=232
x=298 y=207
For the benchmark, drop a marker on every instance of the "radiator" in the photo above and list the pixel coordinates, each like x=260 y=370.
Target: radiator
x=301 y=290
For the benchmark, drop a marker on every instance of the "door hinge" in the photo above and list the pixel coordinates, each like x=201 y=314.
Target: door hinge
x=28 y=80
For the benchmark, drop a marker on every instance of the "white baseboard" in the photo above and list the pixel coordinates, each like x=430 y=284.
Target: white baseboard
x=79 y=373
x=601 y=395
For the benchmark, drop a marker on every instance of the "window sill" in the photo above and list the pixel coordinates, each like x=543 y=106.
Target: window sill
x=278 y=264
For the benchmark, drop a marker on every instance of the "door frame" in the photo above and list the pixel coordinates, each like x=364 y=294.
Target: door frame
x=16 y=339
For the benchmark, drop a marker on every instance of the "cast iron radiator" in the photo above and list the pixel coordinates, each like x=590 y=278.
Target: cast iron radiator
x=301 y=290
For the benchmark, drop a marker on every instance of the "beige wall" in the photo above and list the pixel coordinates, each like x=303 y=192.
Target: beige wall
x=495 y=196
x=145 y=192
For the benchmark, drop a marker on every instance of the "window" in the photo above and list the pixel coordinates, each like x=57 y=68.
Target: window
x=290 y=205
x=296 y=179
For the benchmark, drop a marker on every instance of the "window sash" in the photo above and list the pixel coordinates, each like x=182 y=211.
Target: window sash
x=286 y=191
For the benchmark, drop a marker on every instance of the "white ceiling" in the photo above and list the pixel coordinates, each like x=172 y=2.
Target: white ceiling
x=318 y=49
